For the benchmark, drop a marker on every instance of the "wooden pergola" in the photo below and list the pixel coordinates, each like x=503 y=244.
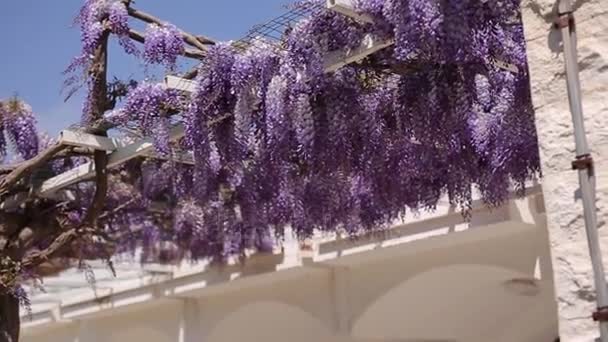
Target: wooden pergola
x=121 y=150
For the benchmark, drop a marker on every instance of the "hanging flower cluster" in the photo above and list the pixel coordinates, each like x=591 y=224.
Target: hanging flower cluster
x=278 y=141
x=352 y=150
x=148 y=105
x=451 y=31
x=94 y=17
x=163 y=45
x=18 y=126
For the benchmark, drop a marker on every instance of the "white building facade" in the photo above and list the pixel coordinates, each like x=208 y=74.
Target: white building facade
x=571 y=262
x=519 y=273
x=430 y=279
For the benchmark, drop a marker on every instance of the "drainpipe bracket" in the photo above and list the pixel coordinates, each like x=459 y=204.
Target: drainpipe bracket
x=582 y=163
x=601 y=315
x=563 y=20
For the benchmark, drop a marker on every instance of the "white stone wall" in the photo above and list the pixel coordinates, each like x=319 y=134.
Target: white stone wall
x=460 y=285
x=573 y=275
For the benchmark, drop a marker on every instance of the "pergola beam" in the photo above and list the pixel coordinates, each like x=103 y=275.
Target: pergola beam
x=119 y=156
x=371 y=45
x=333 y=61
x=347 y=8
x=336 y=59
x=178 y=83
x=86 y=140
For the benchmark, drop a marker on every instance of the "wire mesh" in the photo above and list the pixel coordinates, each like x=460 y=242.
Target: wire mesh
x=275 y=30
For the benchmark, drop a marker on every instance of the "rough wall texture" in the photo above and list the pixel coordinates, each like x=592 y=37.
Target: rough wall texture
x=573 y=274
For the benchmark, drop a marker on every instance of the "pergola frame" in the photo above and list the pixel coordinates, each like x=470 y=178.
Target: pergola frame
x=121 y=152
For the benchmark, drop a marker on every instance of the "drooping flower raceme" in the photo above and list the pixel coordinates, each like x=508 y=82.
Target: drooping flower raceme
x=19 y=127
x=277 y=141
x=163 y=45
x=97 y=18
x=94 y=17
x=147 y=106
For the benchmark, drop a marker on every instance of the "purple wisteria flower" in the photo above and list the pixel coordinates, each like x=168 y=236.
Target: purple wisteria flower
x=18 y=123
x=163 y=45
x=277 y=141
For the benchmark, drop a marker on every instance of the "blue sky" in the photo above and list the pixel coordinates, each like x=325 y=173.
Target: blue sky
x=38 y=42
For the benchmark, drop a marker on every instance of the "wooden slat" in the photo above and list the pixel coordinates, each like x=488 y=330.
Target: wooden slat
x=119 y=156
x=174 y=82
x=333 y=61
x=178 y=157
x=96 y=142
x=347 y=8
x=370 y=45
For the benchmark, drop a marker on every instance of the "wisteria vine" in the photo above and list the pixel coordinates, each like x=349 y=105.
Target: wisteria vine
x=95 y=17
x=18 y=126
x=163 y=45
x=277 y=142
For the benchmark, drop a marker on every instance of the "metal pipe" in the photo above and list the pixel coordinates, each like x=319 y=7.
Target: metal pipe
x=583 y=162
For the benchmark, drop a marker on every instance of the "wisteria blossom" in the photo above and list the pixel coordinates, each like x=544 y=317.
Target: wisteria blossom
x=163 y=45
x=271 y=139
x=18 y=126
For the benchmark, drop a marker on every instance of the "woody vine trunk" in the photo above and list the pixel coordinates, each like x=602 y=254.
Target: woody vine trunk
x=9 y=318
x=9 y=304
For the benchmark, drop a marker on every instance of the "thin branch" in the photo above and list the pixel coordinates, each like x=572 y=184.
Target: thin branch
x=8 y=168
x=205 y=40
x=198 y=42
x=190 y=75
x=25 y=169
x=101 y=189
x=218 y=120
x=67 y=153
x=190 y=53
x=119 y=208
x=67 y=237
x=38 y=257
x=98 y=74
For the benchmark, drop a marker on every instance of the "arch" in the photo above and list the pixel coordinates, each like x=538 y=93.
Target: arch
x=139 y=333
x=464 y=302
x=154 y=323
x=270 y=321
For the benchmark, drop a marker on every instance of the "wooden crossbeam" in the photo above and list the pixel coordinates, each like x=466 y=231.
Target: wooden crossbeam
x=337 y=59
x=174 y=82
x=370 y=44
x=347 y=8
x=333 y=61
x=96 y=142
x=119 y=156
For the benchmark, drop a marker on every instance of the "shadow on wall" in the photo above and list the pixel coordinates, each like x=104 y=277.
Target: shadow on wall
x=455 y=303
x=462 y=303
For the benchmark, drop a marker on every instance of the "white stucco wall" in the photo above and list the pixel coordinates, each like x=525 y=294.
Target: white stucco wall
x=573 y=276
x=572 y=268
x=484 y=281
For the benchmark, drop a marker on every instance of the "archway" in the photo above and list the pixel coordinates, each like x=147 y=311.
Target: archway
x=270 y=321
x=461 y=303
